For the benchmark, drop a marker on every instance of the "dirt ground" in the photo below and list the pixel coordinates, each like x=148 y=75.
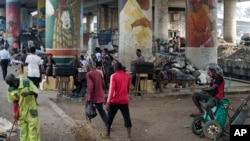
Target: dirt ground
x=153 y=118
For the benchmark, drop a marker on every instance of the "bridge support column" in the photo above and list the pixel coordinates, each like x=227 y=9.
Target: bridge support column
x=201 y=33
x=135 y=25
x=229 y=27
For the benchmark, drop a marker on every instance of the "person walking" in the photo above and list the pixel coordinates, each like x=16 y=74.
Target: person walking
x=95 y=90
x=34 y=63
x=5 y=59
x=21 y=93
x=118 y=99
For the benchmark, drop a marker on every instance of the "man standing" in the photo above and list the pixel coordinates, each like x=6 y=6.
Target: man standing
x=48 y=66
x=210 y=95
x=118 y=99
x=21 y=92
x=95 y=93
x=34 y=63
x=5 y=58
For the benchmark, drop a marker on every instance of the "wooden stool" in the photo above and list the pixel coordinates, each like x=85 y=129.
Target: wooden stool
x=63 y=86
x=144 y=78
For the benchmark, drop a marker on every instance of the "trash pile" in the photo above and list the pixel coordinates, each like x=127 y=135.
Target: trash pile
x=234 y=59
x=5 y=127
x=233 y=52
x=175 y=66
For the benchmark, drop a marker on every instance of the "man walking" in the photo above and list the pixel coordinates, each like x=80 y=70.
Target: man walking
x=5 y=58
x=21 y=93
x=34 y=63
x=95 y=93
x=118 y=99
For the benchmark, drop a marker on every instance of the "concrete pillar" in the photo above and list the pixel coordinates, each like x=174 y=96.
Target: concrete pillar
x=106 y=16
x=229 y=28
x=24 y=18
x=62 y=29
x=41 y=19
x=89 y=22
x=2 y=17
x=101 y=18
x=161 y=19
x=135 y=30
x=12 y=20
x=115 y=18
x=110 y=18
x=30 y=20
x=82 y=48
x=201 y=33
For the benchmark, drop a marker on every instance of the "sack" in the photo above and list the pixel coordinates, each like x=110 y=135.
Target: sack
x=90 y=110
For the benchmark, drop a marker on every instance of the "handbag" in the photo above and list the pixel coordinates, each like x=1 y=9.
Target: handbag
x=90 y=110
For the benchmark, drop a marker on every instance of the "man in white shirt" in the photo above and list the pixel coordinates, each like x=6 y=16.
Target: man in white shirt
x=5 y=58
x=34 y=63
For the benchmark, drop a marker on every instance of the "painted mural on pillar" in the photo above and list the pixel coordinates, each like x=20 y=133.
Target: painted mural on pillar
x=135 y=28
x=67 y=24
x=24 y=19
x=2 y=23
x=12 y=21
x=136 y=19
x=41 y=18
x=201 y=23
x=63 y=27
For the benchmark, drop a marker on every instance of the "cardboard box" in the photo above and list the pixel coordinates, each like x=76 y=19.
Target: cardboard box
x=51 y=85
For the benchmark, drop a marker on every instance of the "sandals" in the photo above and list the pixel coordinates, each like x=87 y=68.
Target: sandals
x=104 y=137
x=196 y=114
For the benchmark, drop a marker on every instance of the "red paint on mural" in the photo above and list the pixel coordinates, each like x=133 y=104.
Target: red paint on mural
x=13 y=21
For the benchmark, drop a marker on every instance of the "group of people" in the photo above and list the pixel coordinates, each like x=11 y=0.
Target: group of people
x=23 y=92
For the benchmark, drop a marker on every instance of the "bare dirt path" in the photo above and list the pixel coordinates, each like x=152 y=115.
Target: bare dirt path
x=153 y=119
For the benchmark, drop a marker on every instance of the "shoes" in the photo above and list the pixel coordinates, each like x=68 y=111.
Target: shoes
x=196 y=114
x=104 y=137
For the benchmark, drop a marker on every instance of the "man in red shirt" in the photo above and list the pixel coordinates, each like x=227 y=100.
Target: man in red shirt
x=210 y=95
x=118 y=99
x=95 y=92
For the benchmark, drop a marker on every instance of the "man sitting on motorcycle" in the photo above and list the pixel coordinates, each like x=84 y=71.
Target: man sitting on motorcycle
x=211 y=95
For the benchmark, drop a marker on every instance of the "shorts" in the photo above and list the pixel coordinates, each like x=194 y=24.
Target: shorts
x=211 y=101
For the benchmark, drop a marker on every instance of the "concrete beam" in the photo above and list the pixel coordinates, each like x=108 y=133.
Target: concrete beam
x=177 y=3
x=95 y=2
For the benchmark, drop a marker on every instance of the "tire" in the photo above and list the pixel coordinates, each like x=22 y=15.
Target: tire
x=212 y=129
x=197 y=126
